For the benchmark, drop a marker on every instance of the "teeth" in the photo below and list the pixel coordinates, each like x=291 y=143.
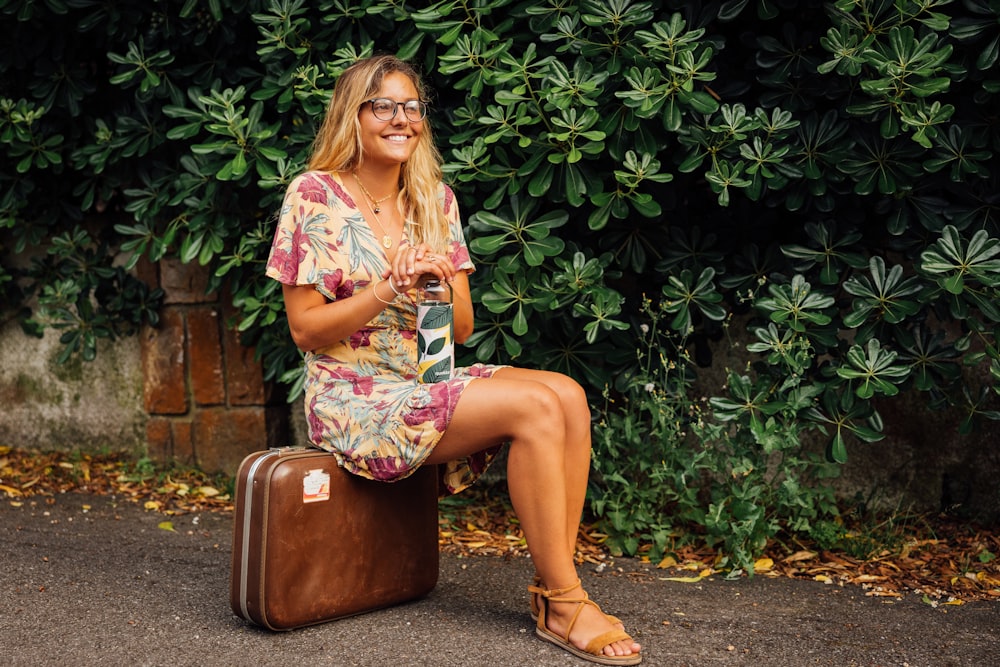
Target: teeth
x=397 y=138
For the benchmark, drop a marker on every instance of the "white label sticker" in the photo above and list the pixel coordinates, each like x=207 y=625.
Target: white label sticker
x=316 y=486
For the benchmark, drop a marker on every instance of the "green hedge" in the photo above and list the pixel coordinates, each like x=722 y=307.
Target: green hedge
x=636 y=176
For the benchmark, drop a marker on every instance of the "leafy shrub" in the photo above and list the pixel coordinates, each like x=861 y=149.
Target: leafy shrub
x=824 y=172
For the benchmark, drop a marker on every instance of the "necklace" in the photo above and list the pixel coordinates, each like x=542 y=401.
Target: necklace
x=374 y=203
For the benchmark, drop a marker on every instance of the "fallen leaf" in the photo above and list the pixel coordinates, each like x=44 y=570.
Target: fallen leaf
x=167 y=525
x=763 y=565
x=667 y=562
x=682 y=580
x=799 y=556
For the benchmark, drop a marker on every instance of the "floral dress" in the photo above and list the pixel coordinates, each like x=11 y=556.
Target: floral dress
x=362 y=399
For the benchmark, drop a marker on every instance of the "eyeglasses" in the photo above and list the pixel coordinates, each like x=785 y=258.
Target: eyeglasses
x=384 y=109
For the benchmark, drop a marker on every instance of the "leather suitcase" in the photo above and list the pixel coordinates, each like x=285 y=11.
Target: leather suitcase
x=313 y=542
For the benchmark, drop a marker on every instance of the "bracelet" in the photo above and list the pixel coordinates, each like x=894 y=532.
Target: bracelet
x=392 y=286
x=375 y=291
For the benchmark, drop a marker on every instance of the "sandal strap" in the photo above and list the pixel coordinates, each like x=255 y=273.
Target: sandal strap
x=597 y=644
x=555 y=592
x=580 y=604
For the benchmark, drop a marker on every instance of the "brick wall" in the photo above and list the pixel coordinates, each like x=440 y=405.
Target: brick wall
x=203 y=392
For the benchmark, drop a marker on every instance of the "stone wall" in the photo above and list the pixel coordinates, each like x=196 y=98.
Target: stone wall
x=184 y=391
x=204 y=395
x=46 y=405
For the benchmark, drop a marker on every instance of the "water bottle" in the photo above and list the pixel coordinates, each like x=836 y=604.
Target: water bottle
x=435 y=333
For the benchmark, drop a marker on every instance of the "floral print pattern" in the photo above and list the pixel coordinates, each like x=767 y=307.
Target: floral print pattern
x=363 y=401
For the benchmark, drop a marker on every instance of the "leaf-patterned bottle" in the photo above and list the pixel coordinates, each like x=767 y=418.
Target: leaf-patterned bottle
x=435 y=334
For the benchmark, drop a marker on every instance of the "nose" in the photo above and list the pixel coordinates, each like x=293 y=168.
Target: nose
x=400 y=117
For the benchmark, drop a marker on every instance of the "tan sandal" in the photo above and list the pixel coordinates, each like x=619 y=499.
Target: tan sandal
x=594 y=652
x=533 y=601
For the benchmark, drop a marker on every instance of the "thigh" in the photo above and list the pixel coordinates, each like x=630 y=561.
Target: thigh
x=498 y=409
x=571 y=395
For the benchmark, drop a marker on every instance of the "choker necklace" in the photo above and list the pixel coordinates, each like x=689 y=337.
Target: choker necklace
x=374 y=203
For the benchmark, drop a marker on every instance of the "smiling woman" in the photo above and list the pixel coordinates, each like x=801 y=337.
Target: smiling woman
x=360 y=235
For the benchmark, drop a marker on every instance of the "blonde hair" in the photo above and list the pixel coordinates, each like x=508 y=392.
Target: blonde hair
x=337 y=147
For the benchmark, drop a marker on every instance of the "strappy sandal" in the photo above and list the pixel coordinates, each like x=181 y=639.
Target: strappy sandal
x=536 y=592
x=594 y=652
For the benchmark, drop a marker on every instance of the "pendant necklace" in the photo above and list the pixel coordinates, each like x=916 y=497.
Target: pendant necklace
x=373 y=202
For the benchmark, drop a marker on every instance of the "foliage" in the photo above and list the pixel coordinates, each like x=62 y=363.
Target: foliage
x=824 y=172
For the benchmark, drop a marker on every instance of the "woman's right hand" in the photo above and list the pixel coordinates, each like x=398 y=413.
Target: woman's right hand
x=414 y=266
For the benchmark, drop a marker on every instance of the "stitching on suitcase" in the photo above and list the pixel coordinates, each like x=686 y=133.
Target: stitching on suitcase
x=248 y=502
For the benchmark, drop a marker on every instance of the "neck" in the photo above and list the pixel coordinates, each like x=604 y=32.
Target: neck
x=380 y=180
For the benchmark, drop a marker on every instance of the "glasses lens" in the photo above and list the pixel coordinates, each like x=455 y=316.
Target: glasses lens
x=415 y=109
x=383 y=108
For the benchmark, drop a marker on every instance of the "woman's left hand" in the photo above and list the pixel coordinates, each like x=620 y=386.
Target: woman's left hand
x=413 y=266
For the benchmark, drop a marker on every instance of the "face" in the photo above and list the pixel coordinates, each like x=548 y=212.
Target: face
x=393 y=141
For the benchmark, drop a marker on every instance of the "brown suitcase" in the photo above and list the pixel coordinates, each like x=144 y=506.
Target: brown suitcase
x=313 y=542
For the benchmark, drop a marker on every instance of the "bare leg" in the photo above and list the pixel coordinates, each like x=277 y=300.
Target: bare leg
x=530 y=415
x=576 y=424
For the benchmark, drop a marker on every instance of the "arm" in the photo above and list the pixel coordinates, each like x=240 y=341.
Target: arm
x=315 y=322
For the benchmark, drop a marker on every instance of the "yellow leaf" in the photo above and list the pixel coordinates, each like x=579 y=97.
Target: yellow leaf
x=706 y=572
x=955 y=602
x=800 y=555
x=152 y=505
x=683 y=580
x=10 y=490
x=763 y=565
x=167 y=525
x=207 y=491
x=669 y=561
x=822 y=577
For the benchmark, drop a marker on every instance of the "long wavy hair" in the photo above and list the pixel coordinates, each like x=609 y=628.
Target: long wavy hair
x=337 y=147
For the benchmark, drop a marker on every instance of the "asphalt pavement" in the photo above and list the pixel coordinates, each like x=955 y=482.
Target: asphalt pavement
x=88 y=580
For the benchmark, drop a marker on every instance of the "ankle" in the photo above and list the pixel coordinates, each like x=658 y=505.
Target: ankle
x=557 y=592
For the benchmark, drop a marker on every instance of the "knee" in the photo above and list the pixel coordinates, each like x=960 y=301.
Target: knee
x=543 y=408
x=573 y=398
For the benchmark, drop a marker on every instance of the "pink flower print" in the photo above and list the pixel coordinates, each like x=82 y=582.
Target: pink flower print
x=449 y=199
x=360 y=338
x=362 y=384
x=440 y=407
x=459 y=254
x=317 y=427
x=339 y=191
x=311 y=189
x=387 y=469
x=283 y=261
x=332 y=281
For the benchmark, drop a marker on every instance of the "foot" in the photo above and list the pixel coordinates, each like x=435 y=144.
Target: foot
x=590 y=622
x=536 y=603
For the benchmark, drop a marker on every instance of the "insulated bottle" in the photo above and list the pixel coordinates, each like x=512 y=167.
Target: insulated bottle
x=435 y=333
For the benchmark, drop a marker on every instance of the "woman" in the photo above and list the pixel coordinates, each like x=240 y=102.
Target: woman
x=360 y=234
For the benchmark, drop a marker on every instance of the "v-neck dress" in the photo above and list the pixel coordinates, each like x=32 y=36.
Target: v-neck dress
x=362 y=398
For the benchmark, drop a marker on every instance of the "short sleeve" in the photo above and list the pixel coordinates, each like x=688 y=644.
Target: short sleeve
x=458 y=251
x=305 y=240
